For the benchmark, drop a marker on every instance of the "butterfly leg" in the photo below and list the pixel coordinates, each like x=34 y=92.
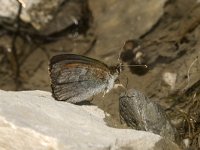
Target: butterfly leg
x=104 y=92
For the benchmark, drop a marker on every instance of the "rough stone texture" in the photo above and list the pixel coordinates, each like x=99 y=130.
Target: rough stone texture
x=141 y=113
x=116 y=20
x=44 y=15
x=34 y=120
x=69 y=13
x=15 y=138
x=8 y=9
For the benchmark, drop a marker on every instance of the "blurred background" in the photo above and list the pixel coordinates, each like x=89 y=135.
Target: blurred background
x=162 y=34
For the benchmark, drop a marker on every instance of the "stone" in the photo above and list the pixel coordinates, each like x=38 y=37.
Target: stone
x=34 y=120
x=45 y=16
x=141 y=113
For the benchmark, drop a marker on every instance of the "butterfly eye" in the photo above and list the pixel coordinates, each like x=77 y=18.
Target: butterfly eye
x=119 y=68
x=117 y=81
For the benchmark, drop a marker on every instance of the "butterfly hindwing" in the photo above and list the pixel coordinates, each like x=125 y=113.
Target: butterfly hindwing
x=77 y=79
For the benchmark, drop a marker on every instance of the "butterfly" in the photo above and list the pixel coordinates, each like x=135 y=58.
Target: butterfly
x=75 y=78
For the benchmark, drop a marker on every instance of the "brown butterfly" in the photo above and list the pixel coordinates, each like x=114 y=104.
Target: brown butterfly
x=75 y=78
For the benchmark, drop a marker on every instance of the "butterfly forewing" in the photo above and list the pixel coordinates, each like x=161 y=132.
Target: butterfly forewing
x=72 y=58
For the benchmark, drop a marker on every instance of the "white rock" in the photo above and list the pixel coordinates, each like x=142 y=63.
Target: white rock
x=34 y=120
x=5 y=8
x=36 y=12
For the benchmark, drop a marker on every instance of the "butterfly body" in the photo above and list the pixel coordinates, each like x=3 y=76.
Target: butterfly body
x=75 y=78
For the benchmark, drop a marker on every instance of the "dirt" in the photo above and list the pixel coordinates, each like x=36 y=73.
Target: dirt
x=169 y=45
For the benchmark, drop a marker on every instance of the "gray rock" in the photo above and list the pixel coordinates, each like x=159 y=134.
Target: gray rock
x=143 y=114
x=70 y=13
x=34 y=120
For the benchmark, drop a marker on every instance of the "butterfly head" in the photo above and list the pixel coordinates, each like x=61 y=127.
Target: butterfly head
x=117 y=69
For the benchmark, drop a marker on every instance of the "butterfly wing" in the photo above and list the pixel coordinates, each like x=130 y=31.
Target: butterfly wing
x=76 y=78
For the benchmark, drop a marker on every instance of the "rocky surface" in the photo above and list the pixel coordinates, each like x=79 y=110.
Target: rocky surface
x=168 y=33
x=141 y=113
x=117 y=20
x=108 y=32
x=34 y=120
x=46 y=16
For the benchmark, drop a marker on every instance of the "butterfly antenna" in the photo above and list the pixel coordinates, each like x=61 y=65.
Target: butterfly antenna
x=135 y=65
